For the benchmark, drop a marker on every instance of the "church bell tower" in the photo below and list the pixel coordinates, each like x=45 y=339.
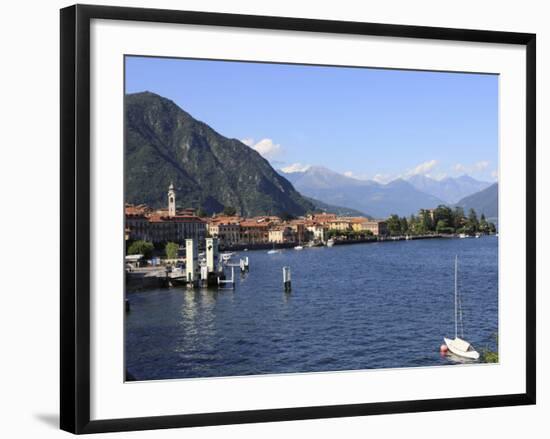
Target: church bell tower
x=171 y=201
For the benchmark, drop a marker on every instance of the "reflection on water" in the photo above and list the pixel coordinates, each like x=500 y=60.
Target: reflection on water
x=351 y=307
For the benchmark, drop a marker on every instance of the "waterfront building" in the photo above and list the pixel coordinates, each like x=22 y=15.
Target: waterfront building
x=176 y=228
x=136 y=222
x=281 y=234
x=254 y=232
x=357 y=223
x=299 y=229
x=163 y=225
x=377 y=227
x=228 y=233
x=318 y=231
x=322 y=218
x=340 y=224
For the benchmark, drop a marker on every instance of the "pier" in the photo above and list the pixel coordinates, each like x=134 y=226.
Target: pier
x=206 y=270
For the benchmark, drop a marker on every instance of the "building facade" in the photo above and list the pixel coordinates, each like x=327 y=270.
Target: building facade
x=378 y=228
x=171 y=225
x=281 y=234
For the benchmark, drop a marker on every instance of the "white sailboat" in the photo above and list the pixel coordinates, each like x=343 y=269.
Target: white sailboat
x=459 y=346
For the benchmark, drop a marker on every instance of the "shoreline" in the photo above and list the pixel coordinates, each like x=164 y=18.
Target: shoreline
x=155 y=277
x=268 y=246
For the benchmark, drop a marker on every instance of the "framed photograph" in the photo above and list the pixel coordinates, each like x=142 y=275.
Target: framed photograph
x=273 y=218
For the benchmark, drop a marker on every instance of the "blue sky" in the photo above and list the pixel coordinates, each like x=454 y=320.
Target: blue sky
x=368 y=123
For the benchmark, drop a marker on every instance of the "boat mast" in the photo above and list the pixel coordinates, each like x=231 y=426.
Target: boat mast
x=456 y=296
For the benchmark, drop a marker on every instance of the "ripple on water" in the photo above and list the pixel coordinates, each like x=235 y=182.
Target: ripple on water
x=351 y=307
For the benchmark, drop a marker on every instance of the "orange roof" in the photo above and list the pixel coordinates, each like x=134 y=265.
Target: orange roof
x=131 y=209
x=253 y=223
x=226 y=219
x=157 y=218
x=325 y=217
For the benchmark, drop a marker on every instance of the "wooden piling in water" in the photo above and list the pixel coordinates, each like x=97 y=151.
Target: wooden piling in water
x=286 y=279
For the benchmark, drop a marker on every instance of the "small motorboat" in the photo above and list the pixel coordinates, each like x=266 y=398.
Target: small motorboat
x=274 y=251
x=227 y=256
x=330 y=242
x=298 y=247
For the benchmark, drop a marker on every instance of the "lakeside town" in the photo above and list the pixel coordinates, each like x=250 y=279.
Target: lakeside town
x=149 y=230
x=308 y=234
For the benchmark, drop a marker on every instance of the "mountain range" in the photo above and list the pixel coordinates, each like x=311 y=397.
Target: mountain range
x=376 y=199
x=484 y=201
x=449 y=189
x=400 y=196
x=164 y=145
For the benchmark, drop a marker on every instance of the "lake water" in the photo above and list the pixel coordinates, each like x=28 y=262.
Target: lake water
x=358 y=306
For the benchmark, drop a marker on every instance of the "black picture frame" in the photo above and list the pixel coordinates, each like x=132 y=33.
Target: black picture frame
x=75 y=217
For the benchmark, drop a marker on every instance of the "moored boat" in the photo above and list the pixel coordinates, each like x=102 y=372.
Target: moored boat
x=227 y=256
x=459 y=346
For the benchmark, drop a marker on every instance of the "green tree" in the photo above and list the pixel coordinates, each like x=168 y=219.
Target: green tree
x=472 y=222
x=394 y=225
x=458 y=217
x=441 y=226
x=483 y=224
x=413 y=224
x=489 y=356
x=171 y=250
x=404 y=226
x=229 y=211
x=445 y=214
x=144 y=248
x=201 y=212
x=426 y=222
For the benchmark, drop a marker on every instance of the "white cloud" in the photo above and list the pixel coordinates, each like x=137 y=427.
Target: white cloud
x=480 y=166
x=295 y=167
x=459 y=167
x=266 y=147
x=422 y=168
x=248 y=141
x=425 y=168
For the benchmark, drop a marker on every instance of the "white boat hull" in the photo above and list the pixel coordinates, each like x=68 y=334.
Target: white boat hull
x=456 y=348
